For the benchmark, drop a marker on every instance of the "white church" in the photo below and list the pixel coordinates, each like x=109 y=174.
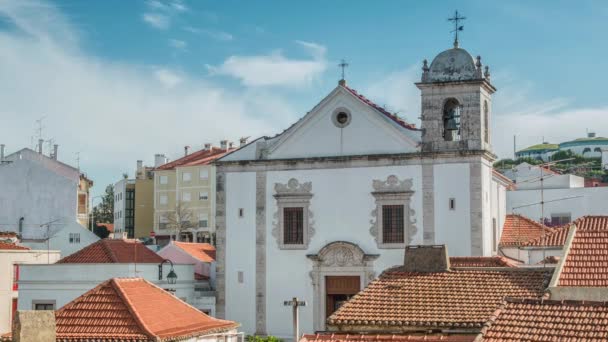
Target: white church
x=320 y=210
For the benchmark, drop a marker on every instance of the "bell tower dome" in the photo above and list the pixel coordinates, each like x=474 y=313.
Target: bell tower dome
x=456 y=103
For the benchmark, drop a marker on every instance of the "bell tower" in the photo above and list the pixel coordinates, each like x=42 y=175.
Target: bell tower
x=456 y=103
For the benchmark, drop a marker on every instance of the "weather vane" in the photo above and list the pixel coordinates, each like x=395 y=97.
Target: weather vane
x=343 y=65
x=457 y=28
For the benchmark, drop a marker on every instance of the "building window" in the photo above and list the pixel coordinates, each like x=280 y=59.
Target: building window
x=203 y=220
x=393 y=224
x=204 y=174
x=162 y=222
x=163 y=180
x=163 y=199
x=486 y=122
x=186 y=197
x=494 y=234
x=597 y=149
x=74 y=237
x=293 y=225
x=203 y=196
x=452 y=204
x=43 y=305
x=341 y=117
x=560 y=219
x=240 y=277
x=241 y=212
x=15 y=277
x=186 y=176
x=82 y=203
x=451 y=120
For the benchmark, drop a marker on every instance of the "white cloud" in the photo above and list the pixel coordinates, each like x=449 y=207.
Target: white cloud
x=113 y=113
x=398 y=93
x=275 y=69
x=178 y=44
x=215 y=34
x=156 y=20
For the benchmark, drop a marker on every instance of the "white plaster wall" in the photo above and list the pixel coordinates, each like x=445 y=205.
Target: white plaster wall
x=32 y=191
x=551 y=181
x=240 y=249
x=498 y=208
x=578 y=149
x=60 y=239
x=8 y=258
x=453 y=227
x=605 y=158
x=65 y=282
x=487 y=214
x=588 y=201
x=119 y=205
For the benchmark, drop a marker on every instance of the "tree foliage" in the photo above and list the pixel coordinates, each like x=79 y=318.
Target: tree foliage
x=101 y=231
x=255 y=338
x=104 y=211
x=180 y=219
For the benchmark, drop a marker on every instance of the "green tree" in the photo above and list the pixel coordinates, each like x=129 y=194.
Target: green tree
x=104 y=211
x=101 y=231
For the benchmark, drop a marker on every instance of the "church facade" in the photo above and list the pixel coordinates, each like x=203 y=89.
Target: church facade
x=320 y=210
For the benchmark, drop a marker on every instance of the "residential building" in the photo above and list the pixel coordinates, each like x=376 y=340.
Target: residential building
x=12 y=257
x=530 y=242
x=339 y=194
x=184 y=196
x=202 y=255
x=528 y=177
x=38 y=190
x=134 y=203
x=64 y=235
x=127 y=309
x=57 y=284
x=589 y=147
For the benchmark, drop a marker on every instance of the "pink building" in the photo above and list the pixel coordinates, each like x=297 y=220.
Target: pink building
x=202 y=255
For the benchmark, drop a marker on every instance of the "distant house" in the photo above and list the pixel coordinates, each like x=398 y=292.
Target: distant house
x=64 y=235
x=588 y=147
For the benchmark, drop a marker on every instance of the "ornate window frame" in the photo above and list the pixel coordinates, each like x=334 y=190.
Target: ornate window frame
x=293 y=194
x=393 y=191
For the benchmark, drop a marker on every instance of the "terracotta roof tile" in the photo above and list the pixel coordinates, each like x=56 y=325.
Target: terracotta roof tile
x=202 y=157
x=328 y=337
x=133 y=309
x=383 y=111
x=113 y=251
x=12 y=246
x=556 y=238
x=591 y=223
x=586 y=262
x=457 y=298
x=495 y=261
x=202 y=251
x=548 y=320
x=518 y=230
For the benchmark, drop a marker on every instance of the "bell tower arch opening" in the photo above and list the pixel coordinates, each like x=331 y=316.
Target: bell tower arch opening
x=451 y=120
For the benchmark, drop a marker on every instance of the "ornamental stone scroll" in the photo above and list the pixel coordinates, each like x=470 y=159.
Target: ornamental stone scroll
x=293 y=194
x=392 y=191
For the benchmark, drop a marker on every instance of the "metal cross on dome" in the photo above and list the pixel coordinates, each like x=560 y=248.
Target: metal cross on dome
x=457 y=28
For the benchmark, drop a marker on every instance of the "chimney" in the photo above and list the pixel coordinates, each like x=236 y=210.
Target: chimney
x=159 y=159
x=1 y=153
x=231 y=145
x=186 y=148
x=207 y=146
x=243 y=141
x=426 y=259
x=40 y=141
x=55 y=147
x=34 y=326
x=140 y=164
x=223 y=144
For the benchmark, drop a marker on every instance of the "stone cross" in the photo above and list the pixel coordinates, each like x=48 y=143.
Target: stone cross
x=295 y=304
x=343 y=66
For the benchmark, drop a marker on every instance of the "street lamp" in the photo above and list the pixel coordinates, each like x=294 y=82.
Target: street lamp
x=171 y=276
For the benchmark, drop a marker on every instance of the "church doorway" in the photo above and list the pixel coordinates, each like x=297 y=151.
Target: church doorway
x=338 y=290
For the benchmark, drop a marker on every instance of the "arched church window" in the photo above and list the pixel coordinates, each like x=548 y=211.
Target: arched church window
x=597 y=149
x=486 y=123
x=451 y=120
x=586 y=149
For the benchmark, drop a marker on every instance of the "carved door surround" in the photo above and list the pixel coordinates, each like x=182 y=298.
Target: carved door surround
x=339 y=258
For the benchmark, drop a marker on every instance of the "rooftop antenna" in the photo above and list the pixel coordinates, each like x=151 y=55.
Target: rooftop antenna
x=343 y=65
x=456 y=18
x=40 y=127
x=78 y=160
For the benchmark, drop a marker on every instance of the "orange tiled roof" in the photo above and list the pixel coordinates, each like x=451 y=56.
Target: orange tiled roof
x=518 y=230
x=495 y=261
x=202 y=157
x=457 y=298
x=113 y=251
x=12 y=246
x=202 y=251
x=557 y=237
x=548 y=320
x=4 y=235
x=385 y=338
x=133 y=309
x=586 y=263
x=591 y=223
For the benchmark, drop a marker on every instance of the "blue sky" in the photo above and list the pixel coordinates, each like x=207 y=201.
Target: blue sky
x=119 y=81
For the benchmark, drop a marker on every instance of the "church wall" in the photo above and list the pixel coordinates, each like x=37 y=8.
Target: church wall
x=452 y=227
x=487 y=209
x=240 y=249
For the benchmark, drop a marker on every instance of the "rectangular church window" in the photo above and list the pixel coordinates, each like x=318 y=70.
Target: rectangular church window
x=293 y=225
x=393 y=227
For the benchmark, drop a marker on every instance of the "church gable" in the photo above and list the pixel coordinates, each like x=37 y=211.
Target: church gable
x=345 y=123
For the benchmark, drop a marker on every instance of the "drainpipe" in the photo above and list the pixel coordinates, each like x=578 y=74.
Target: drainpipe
x=1 y=153
x=21 y=226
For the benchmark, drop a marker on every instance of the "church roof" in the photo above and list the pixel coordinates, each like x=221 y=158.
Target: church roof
x=133 y=309
x=449 y=299
x=454 y=64
x=548 y=320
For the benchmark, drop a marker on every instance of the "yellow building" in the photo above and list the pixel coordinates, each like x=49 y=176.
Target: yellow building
x=184 y=197
x=144 y=201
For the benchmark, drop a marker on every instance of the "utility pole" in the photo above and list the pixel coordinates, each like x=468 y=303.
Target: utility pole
x=295 y=304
